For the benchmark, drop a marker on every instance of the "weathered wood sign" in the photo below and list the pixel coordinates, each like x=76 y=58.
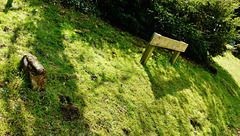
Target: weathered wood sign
x=161 y=41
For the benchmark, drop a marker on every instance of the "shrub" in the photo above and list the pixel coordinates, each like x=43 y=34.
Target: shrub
x=204 y=25
x=129 y=15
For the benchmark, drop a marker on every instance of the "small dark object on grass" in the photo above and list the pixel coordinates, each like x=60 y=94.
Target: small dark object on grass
x=69 y=111
x=6 y=28
x=195 y=123
x=52 y=63
x=7 y=134
x=94 y=77
x=6 y=56
x=3 y=45
x=65 y=99
x=126 y=131
x=47 y=56
x=2 y=84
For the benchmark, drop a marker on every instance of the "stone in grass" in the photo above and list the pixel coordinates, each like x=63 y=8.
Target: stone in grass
x=35 y=71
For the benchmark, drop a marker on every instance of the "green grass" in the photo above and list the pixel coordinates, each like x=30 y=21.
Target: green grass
x=126 y=98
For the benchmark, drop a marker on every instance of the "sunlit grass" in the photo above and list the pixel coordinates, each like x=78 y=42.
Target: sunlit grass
x=98 y=67
x=231 y=64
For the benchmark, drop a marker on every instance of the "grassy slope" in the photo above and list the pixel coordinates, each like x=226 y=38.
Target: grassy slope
x=126 y=98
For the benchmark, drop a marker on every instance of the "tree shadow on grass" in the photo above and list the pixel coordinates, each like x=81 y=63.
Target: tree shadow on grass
x=12 y=107
x=226 y=80
x=224 y=88
x=47 y=40
x=8 y=6
x=168 y=79
x=161 y=86
x=58 y=110
x=219 y=93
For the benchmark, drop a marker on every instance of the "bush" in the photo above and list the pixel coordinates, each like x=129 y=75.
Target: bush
x=204 y=25
x=129 y=15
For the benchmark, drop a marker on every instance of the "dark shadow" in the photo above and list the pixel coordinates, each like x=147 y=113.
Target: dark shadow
x=16 y=34
x=162 y=87
x=222 y=86
x=47 y=44
x=228 y=91
x=8 y=6
x=13 y=108
x=223 y=76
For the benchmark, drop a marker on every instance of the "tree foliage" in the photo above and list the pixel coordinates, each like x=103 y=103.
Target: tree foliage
x=130 y=15
x=205 y=25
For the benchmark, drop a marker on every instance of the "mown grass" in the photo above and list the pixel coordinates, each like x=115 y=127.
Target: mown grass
x=98 y=68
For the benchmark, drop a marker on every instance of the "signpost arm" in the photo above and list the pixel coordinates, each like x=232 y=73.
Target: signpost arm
x=147 y=54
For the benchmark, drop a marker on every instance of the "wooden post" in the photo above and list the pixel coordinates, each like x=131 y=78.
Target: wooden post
x=147 y=54
x=174 y=57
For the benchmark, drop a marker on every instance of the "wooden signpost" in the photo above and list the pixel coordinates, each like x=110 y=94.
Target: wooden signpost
x=161 y=41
